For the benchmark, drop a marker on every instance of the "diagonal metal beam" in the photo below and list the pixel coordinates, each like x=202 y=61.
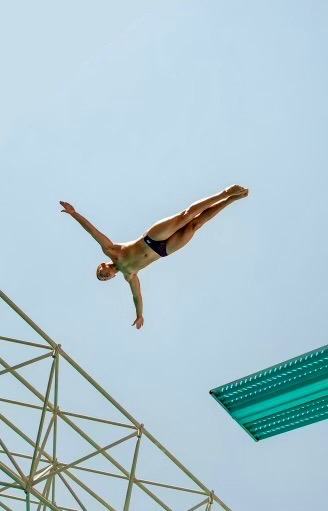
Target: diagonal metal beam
x=185 y=470
x=25 y=383
x=26 y=363
x=201 y=504
x=23 y=436
x=5 y=507
x=96 y=419
x=7 y=485
x=20 y=403
x=72 y=492
x=144 y=481
x=13 y=461
x=41 y=473
x=32 y=344
x=43 y=415
x=43 y=445
x=92 y=493
x=133 y=471
x=21 y=499
x=10 y=473
x=45 y=493
x=19 y=455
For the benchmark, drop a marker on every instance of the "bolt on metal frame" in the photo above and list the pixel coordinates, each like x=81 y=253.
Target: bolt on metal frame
x=44 y=466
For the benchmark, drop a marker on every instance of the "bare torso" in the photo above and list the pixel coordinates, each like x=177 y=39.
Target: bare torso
x=131 y=257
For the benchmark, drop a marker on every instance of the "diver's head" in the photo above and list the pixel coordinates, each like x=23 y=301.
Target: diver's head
x=106 y=271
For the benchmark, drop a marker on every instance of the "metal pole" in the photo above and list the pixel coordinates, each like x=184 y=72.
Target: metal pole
x=46 y=492
x=133 y=471
x=28 y=506
x=34 y=344
x=201 y=504
x=42 y=447
x=23 y=364
x=43 y=415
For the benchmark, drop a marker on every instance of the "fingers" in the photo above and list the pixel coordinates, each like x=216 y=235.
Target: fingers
x=65 y=204
x=68 y=207
x=138 y=323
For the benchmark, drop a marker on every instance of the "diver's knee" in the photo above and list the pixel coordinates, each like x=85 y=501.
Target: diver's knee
x=187 y=214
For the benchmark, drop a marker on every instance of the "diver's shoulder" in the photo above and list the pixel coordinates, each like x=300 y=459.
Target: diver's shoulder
x=129 y=277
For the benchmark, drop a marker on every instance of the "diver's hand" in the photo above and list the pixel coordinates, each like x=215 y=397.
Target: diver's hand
x=68 y=208
x=138 y=322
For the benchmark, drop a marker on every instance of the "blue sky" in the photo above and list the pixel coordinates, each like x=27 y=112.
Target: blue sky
x=131 y=112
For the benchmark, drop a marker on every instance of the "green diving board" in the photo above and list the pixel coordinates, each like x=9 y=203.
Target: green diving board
x=283 y=397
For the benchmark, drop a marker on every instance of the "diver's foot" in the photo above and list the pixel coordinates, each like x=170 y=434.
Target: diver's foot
x=236 y=190
x=244 y=193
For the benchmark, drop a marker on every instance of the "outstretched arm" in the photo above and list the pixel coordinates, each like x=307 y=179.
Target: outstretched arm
x=97 y=235
x=137 y=298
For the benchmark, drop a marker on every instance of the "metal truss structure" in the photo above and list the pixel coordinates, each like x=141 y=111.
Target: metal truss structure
x=55 y=454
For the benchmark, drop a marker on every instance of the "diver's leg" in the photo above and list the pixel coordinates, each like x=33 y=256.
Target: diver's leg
x=211 y=212
x=165 y=228
x=181 y=237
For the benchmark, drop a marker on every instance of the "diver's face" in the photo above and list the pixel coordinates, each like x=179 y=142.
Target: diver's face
x=106 y=272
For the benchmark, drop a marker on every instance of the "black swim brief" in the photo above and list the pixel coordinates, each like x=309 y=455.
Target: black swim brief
x=157 y=246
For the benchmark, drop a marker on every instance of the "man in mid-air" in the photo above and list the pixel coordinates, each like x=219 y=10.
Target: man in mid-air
x=162 y=239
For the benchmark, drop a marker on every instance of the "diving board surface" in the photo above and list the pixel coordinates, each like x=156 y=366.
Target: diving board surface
x=280 y=398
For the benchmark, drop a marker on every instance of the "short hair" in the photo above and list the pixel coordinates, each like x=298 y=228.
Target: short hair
x=98 y=274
